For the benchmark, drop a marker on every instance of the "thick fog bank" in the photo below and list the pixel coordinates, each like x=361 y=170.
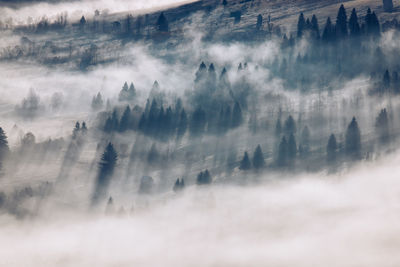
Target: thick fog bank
x=340 y=220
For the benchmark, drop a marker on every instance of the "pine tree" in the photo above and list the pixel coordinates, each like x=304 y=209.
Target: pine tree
x=354 y=26
x=278 y=128
x=304 y=147
x=258 y=158
x=341 y=22
x=179 y=185
x=203 y=178
x=388 y=5
x=106 y=169
x=245 y=164
x=382 y=126
x=301 y=24
x=182 y=125
x=353 y=140
x=328 y=34
x=124 y=124
x=4 y=149
x=292 y=147
x=237 y=117
x=290 y=125
x=315 y=27
x=331 y=149
x=259 y=22
x=84 y=128
x=198 y=122
x=282 y=152
x=162 y=23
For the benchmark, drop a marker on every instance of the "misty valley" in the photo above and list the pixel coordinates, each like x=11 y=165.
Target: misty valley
x=205 y=133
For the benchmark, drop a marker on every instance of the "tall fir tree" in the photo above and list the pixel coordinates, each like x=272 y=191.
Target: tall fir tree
x=354 y=26
x=245 y=163
x=258 y=159
x=331 y=149
x=341 y=22
x=353 y=140
x=301 y=24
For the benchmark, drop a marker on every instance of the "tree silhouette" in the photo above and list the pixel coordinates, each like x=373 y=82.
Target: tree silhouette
x=382 y=127
x=353 y=140
x=245 y=164
x=203 y=178
x=331 y=149
x=282 y=152
x=258 y=158
x=354 y=26
x=301 y=24
x=162 y=23
x=106 y=170
x=341 y=22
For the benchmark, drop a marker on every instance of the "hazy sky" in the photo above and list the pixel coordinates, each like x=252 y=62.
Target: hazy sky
x=77 y=8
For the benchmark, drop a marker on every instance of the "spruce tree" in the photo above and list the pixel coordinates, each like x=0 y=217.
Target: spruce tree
x=290 y=125
x=292 y=147
x=4 y=149
x=328 y=34
x=259 y=22
x=315 y=27
x=282 y=152
x=203 y=178
x=331 y=149
x=258 y=158
x=245 y=164
x=341 y=22
x=237 y=117
x=353 y=140
x=162 y=23
x=301 y=24
x=106 y=169
x=354 y=26
x=382 y=126
x=182 y=125
x=124 y=124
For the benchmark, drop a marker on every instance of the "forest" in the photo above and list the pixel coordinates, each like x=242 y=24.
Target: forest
x=116 y=114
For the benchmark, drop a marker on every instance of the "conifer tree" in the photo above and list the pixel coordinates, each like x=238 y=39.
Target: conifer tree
x=382 y=127
x=162 y=23
x=245 y=164
x=290 y=125
x=292 y=147
x=203 y=178
x=182 y=125
x=4 y=149
x=258 y=158
x=341 y=22
x=106 y=169
x=315 y=27
x=331 y=149
x=354 y=26
x=124 y=124
x=259 y=22
x=353 y=140
x=282 y=152
x=329 y=31
x=237 y=117
x=301 y=24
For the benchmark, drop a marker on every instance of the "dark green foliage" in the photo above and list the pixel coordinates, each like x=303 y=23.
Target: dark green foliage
x=282 y=152
x=198 y=122
x=292 y=147
x=354 y=26
x=341 y=22
x=304 y=147
x=4 y=149
x=301 y=24
x=290 y=125
x=382 y=127
x=182 y=125
x=353 y=140
x=179 y=185
x=106 y=169
x=125 y=122
x=162 y=23
x=203 y=178
x=237 y=116
x=331 y=149
x=372 y=24
x=259 y=22
x=258 y=159
x=315 y=27
x=278 y=128
x=245 y=164
x=328 y=34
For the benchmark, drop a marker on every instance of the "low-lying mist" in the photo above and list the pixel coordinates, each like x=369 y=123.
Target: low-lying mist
x=346 y=219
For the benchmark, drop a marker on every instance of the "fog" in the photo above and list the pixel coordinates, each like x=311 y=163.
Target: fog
x=338 y=220
x=197 y=136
